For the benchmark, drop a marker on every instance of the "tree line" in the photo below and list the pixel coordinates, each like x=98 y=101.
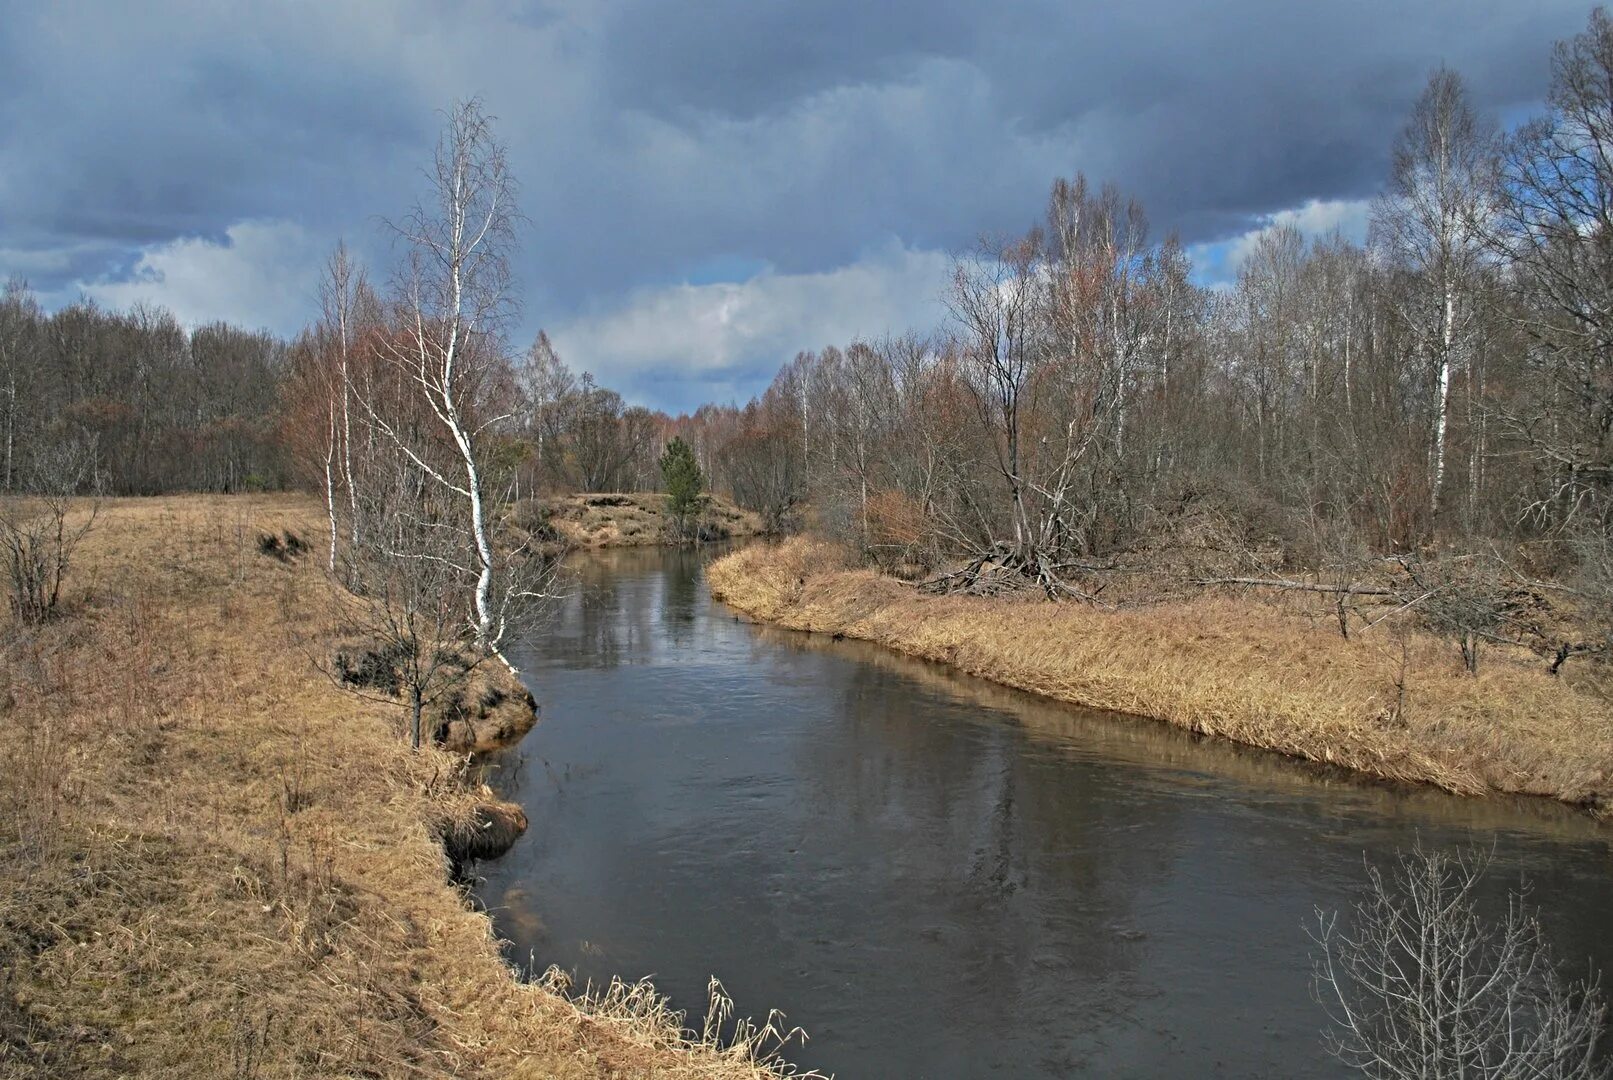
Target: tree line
x=153 y=406
x=218 y=408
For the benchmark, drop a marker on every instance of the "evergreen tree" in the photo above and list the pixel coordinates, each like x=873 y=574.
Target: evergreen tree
x=684 y=486
x=680 y=474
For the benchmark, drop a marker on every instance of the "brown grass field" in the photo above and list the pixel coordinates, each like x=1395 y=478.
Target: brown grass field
x=1393 y=702
x=213 y=862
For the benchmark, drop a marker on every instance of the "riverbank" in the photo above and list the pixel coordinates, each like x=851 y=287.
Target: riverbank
x=1396 y=706
x=214 y=862
x=632 y=519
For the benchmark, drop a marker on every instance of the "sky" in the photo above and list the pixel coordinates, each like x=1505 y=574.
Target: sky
x=709 y=186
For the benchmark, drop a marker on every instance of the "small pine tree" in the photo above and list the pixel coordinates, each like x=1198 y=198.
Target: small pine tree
x=680 y=474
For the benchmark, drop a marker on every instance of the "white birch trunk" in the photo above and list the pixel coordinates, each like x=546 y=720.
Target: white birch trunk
x=330 y=489
x=1447 y=334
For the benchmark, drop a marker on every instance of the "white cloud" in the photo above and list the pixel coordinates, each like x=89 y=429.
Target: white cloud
x=263 y=275
x=707 y=334
x=1219 y=261
x=1316 y=219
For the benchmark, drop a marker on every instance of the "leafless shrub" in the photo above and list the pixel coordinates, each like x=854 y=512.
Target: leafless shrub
x=1421 y=985
x=410 y=616
x=37 y=540
x=1469 y=599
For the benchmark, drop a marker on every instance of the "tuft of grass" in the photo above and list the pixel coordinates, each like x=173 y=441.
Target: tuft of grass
x=1394 y=703
x=214 y=862
x=646 y=1018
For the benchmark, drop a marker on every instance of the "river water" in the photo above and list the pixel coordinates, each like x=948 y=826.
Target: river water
x=938 y=877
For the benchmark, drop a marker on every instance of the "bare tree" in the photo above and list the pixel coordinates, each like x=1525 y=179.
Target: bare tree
x=19 y=321
x=1433 y=220
x=342 y=293
x=1052 y=334
x=993 y=301
x=1421 y=986
x=546 y=383
x=1268 y=298
x=1555 y=227
x=610 y=441
x=764 y=470
x=454 y=302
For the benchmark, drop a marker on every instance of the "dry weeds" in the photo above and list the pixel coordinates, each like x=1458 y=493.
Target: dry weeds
x=1393 y=702
x=639 y=518
x=215 y=863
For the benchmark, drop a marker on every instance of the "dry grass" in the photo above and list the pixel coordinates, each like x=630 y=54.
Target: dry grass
x=1394 y=702
x=636 y=518
x=215 y=863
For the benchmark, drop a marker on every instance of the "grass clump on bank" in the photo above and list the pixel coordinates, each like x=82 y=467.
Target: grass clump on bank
x=640 y=518
x=1394 y=703
x=215 y=862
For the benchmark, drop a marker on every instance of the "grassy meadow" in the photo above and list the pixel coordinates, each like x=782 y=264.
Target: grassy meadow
x=214 y=862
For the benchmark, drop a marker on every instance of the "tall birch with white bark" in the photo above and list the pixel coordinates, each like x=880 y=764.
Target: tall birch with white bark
x=454 y=301
x=1433 y=221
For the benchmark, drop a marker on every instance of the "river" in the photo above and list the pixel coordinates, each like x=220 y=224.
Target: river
x=939 y=877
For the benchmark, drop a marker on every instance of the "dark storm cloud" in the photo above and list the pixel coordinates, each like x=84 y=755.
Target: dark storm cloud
x=743 y=59
x=125 y=129
x=659 y=142
x=1210 y=112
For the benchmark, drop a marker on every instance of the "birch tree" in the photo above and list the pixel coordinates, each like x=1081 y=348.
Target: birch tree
x=342 y=293
x=1433 y=221
x=1268 y=297
x=454 y=301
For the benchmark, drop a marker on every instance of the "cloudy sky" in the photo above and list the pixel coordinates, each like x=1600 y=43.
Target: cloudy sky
x=714 y=184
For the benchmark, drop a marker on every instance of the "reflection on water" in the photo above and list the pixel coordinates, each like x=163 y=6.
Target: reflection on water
x=936 y=876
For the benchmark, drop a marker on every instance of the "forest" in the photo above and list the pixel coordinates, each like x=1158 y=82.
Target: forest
x=1089 y=417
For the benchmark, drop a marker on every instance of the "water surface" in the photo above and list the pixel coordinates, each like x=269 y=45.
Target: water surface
x=938 y=877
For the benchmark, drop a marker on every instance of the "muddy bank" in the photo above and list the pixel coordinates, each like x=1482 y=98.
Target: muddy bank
x=1398 y=706
x=487 y=708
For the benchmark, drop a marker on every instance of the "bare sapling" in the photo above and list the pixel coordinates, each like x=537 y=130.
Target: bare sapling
x=404 y=631
x=1418 y=984
x=344 y=296
x=42 y=526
